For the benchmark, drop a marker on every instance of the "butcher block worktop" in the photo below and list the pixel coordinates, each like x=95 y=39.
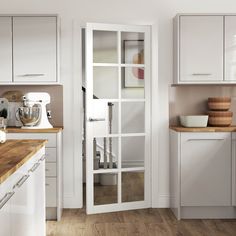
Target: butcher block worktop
x=15 y=153
x=205 y=129
x=19 y=130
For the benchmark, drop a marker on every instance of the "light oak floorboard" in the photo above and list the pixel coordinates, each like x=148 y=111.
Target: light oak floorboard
x=147 y=222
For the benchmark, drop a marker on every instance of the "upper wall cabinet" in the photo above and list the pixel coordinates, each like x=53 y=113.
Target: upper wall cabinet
x=204 y=49
x=35 y=49
x=5 y=49
x=30 y=49
x=230 y=48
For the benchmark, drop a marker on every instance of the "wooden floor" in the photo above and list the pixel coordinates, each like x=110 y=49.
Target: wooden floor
x=139 y=222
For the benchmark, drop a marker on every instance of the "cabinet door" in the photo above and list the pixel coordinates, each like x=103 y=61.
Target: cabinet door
x=5 y=49
x=201 y=48
x=230 y=48
x=206 y=169
x=38 y=175
x=23 y=208
x=5 y=210
x=35 y=49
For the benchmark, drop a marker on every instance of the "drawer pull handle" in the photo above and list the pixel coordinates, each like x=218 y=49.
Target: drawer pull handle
x=206 y=139
x=21 y=181
x=43 y=157
x=31 y=75
x=47 y=169
x=35 y=166
x=47 y=184
x=5 y=199
x=201 y=74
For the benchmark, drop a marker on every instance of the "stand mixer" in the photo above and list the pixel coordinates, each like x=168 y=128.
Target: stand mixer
x=33 y=114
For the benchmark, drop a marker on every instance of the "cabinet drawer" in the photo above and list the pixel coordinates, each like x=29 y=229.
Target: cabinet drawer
x=51 y=154
x=52 y=138
x=51 y=192
x=51 y=170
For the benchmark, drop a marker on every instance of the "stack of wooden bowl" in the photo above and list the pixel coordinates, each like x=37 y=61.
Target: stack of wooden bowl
x=219 y=114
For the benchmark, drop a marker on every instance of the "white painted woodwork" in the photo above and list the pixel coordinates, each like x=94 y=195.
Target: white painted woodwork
x=201 y=48
x=51 y=192
x=51 y=154
x=53 y=170
x=202 y=180
x=175 y=173
x=234 y=169
x=35 y=49
x=205 y=169
x=98 y=130
x=5 y=211
x=230 y=48
x=5 y=49
x=24 y=213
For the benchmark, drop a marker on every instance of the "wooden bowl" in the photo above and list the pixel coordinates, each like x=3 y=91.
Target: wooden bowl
x=219 y=103
x=220 y=118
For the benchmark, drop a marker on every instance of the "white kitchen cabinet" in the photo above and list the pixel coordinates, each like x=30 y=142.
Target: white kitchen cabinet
x=201 y=175
x=200 y=48
x=6 y=194
x=205 y=169
x=35 y=49
x=22 y=208
x=234 y=169
x=230 y=48
x=5 y=49
x=53 y=170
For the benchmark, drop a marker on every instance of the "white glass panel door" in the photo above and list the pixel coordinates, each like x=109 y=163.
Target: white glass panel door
x=117 y=117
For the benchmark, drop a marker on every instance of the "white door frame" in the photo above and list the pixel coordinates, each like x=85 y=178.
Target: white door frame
x=89 y=161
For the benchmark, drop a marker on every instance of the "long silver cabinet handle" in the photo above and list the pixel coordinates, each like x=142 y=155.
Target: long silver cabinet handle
x=21 y=181
x=31 y=75
x=206 y=139
x=96 y=119
x=35 y=166
x=5 y=199
x=42 y=158
x=201 y=74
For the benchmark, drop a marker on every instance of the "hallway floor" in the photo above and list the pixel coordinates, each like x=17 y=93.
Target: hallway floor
x=149 y=222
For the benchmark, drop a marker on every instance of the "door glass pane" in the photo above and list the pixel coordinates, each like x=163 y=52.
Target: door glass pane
x=132 y=117
x=105 y=159
x=105 y=47
x=105 y=188
x=113 y=115
x=132 y=151
x=132 y=186
x=132 y=82
x=105 y=82
x=132 y=48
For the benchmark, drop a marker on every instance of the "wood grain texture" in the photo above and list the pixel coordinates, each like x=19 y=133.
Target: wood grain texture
x=14 y=153
x=205 y=129
x=19 y=130
x=147 y=222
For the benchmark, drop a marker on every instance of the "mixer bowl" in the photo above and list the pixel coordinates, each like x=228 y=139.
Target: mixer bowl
x=29 y=116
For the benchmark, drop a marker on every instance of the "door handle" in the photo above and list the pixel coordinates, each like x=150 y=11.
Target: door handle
x=96 y=119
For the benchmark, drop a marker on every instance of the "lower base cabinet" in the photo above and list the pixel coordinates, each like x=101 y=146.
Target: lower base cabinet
x=53 y=170
x=201 y=175
x=22 y=204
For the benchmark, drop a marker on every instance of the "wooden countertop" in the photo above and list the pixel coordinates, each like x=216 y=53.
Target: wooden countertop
x=14 y=153
x=19 y=130
x=205 y=129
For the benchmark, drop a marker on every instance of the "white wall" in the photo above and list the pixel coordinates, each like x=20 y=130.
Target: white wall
x=75 y=13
